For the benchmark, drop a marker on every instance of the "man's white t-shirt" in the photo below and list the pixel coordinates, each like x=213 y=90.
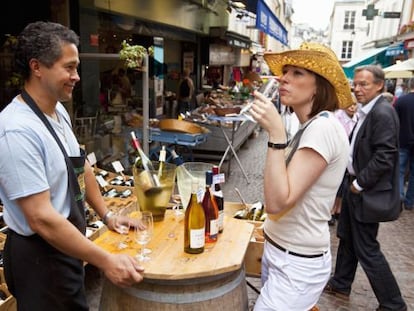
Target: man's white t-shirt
x=32 y=162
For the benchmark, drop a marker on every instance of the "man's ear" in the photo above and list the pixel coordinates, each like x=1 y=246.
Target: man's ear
x=34 y=65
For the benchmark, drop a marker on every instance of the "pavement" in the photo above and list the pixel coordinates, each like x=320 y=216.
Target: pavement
x=396 y=238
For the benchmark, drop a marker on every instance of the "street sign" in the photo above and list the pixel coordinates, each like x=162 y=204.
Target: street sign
x=391 y=15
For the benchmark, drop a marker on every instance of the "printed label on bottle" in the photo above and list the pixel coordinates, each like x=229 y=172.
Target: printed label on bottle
x=218 y=178
x=221 y=220
x=197 y=238
x=214 y=227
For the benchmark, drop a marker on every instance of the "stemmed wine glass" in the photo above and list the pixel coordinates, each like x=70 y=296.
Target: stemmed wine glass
x=122 y=227
x=143 y=234
x=268 y=89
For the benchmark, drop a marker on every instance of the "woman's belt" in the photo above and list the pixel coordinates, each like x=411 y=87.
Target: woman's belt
x=268 y=239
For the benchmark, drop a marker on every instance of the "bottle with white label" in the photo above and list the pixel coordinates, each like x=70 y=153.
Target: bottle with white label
x=161 y=160
x=194 y=224
x=211 y=211
x=218 y=195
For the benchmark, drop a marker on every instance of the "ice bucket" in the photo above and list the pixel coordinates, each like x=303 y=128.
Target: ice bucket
x=155 y=200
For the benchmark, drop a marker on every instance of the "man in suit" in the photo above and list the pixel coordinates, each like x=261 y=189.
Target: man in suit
x=372 y=195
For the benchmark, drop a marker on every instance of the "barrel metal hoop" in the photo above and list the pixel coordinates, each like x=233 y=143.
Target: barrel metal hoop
x=186 y=297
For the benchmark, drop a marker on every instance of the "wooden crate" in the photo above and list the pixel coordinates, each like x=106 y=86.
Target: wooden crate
x=3 y=237
x=9 y=304
x=253 y=257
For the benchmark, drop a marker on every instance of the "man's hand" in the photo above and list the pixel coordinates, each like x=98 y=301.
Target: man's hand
x=123 y=270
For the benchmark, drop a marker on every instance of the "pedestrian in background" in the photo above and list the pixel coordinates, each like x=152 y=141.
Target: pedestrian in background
x=300 y=185
x=348 y=118
x=404 y=106
x=43 y=184
x=401 y=89
x=372 y=195
x=185 y=92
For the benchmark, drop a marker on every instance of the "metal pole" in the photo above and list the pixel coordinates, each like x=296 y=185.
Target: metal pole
x=145 y=107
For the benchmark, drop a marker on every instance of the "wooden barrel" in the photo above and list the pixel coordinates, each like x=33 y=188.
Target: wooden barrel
x=222 y=292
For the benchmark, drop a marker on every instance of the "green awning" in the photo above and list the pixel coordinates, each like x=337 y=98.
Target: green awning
x=375 y=56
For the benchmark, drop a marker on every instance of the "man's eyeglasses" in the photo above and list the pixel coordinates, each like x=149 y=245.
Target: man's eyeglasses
x=362 y=85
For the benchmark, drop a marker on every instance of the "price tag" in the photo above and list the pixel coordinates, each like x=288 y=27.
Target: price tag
x=91 y=158
x=101 y=181
x=218 y=178
x=117 y=166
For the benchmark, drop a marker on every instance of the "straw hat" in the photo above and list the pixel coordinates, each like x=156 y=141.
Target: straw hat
x=318 y=59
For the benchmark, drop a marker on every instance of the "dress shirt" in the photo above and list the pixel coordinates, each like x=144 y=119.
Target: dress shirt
x=347 y=121
x=362 y=113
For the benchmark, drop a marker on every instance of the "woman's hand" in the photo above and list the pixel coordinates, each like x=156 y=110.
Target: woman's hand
x=266 y=114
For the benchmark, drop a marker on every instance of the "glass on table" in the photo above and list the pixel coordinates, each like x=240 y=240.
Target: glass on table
x=122 y=226
x=143 y=234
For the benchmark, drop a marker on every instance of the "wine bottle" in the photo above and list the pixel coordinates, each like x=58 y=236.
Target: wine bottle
x=211 y=211
x=218 y=195
x=194 y=224
x=161 y=159
x=147 y=179
x=184 y=178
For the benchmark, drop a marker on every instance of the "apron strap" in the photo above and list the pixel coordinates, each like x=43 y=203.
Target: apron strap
x=74 y=188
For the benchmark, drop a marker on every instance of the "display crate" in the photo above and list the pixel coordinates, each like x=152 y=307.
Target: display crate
x=254 y=253
x=9 y=304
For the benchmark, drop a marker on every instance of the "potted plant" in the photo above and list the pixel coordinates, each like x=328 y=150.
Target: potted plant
x=134 y=54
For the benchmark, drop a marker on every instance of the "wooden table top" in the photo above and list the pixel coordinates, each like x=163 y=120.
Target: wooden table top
x=168 y=259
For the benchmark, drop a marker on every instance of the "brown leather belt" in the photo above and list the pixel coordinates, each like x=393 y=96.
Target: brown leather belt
x=268 y=239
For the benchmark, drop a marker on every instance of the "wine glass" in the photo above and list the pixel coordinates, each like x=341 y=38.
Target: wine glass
x=143 y=234
x=122 y=227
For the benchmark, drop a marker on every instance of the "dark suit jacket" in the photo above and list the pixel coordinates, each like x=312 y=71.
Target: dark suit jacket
x=376 y=164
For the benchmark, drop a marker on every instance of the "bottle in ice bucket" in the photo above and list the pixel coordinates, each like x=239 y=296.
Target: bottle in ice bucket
x=194 y=223
x=161 y=159
x=153 y=183
x=148 y=180
x=210 y=210
x=218 y=195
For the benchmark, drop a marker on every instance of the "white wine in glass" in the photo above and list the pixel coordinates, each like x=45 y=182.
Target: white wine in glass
x=143 y=234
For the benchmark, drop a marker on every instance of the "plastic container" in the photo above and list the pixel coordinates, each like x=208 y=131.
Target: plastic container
x=185 y=173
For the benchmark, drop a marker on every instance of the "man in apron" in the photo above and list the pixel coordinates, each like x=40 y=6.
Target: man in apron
x=44 y=180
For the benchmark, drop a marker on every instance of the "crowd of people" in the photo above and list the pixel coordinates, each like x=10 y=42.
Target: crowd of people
x=349 y=160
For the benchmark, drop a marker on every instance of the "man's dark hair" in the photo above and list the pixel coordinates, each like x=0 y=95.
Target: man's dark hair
x=42 y=41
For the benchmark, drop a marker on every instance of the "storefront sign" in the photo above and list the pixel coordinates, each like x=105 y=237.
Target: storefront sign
x=395 y=50
x=238 y=43
x=269 y=23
